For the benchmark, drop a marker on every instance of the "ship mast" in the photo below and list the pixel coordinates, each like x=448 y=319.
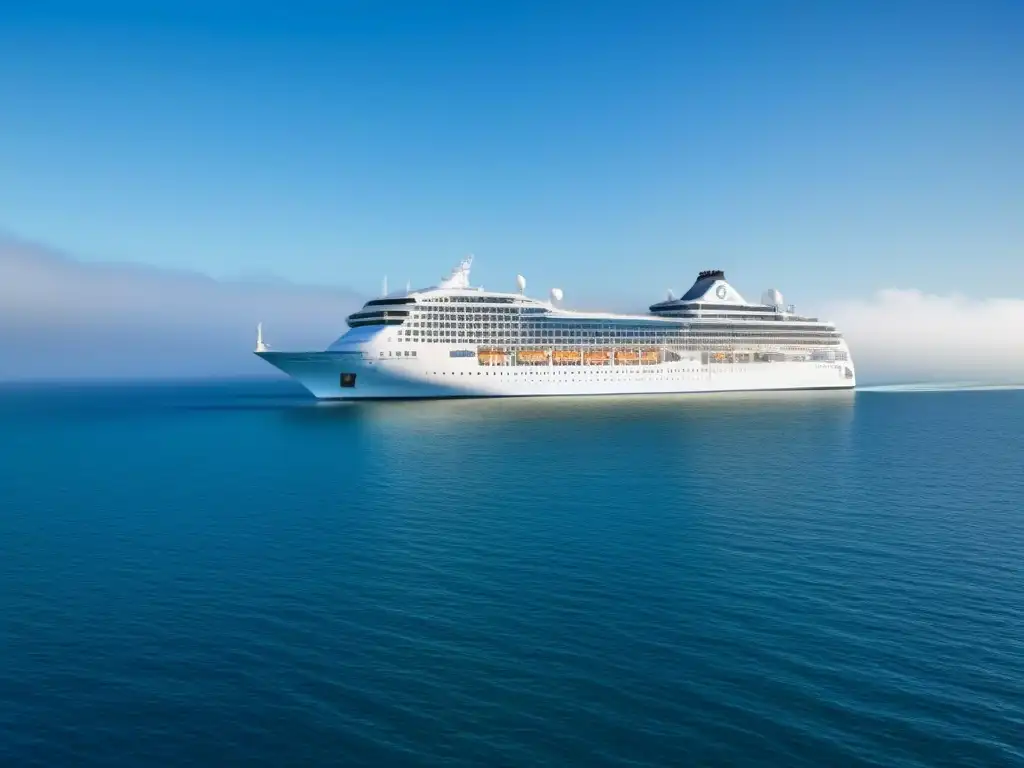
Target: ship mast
x=260 y=346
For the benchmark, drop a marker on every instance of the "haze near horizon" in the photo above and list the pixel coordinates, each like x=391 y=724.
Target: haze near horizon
x=61 y=318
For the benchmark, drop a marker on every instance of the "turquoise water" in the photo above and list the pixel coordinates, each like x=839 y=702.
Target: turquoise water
x=230 y=574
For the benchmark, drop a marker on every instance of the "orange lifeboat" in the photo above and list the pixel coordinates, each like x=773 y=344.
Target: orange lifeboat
x=532 y=356
x=626 y=356
x=566 y=357
x=492 y=357
x=649 y=356
x=597 y=357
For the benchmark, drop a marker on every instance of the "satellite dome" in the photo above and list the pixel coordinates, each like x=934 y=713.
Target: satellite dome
x=556 y=294
x=521 y=283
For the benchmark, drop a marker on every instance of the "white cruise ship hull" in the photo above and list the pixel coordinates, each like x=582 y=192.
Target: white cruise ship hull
x=454 y=340
x=354 y=376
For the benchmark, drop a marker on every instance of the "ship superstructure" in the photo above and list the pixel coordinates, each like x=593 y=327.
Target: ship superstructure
x=455 y=340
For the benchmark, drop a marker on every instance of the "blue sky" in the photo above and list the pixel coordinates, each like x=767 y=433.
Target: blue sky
x=614 y=149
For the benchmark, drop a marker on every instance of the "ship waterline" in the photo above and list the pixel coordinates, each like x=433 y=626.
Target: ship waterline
x=453 y=340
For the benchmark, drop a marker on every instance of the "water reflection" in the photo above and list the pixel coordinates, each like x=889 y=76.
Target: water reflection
x=825 y=404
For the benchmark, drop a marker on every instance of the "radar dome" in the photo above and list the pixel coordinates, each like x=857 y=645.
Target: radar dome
x=556 y=294
x=771 y=298
x=521 y=283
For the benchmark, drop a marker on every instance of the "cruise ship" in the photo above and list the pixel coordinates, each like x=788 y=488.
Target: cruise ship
x=455 y=340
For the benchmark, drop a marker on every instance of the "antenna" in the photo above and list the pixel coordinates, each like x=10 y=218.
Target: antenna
x=408 y=287
x=384 y=287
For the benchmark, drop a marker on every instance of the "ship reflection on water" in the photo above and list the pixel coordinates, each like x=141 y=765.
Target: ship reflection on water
x=755 y=410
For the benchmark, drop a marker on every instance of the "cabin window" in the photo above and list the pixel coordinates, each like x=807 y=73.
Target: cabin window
x=348 y=380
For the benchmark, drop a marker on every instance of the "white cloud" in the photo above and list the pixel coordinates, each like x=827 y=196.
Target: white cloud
x=64 y=318
x=903 y=335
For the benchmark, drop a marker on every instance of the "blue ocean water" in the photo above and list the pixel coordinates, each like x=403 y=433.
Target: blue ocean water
x=229 y=573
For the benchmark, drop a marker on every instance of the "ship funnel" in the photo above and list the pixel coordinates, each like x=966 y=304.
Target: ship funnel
x=710 y=286
x=521 y=283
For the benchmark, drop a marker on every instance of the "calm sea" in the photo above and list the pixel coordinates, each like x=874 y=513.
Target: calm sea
x=230 y=573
